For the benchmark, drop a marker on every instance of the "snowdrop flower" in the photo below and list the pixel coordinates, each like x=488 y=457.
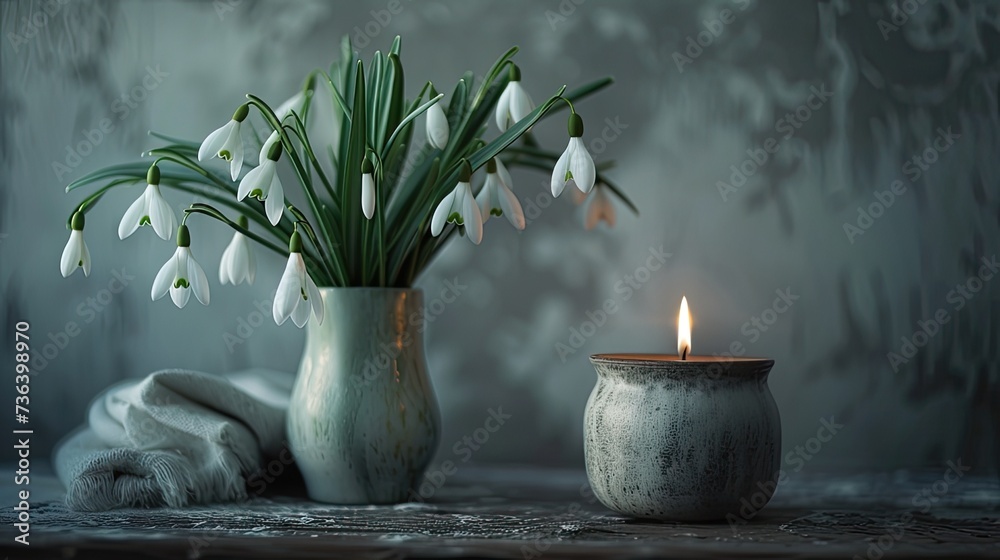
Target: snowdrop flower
x=600 y=209
x=437 y=124
x=496 y=198
x=262 y=183
x=575 y=164
x=514 y=103
x=238 y=261
x=460 y=208
x=181 y=274
x=150 y=209
x=297 y=294
x=226 y=142
x=75 y=254
x=367 y=189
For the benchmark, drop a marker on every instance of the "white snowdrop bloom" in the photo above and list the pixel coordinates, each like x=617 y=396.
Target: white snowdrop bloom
x=75 y=254
x=150 y=209
x=459 y=207
x=497 y=198
x=225 y=142
x=514 y=103
x=238 y=261
x=181 y=274
x=297 y=294
x=575 y=164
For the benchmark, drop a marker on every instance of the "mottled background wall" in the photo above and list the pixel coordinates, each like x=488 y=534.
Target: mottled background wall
x=681 y=124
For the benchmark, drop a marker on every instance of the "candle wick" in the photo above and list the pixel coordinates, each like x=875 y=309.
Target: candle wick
x=684 y=354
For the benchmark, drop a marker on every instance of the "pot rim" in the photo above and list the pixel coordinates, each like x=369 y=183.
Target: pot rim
x=646 y=365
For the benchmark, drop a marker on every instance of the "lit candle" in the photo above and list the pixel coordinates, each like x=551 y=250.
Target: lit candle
x=681 y=437
x=684 y=330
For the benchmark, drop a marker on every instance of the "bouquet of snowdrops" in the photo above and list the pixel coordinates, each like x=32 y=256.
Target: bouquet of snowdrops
x=376 y=216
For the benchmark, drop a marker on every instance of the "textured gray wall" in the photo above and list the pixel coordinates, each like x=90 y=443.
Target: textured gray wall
x=681 y=130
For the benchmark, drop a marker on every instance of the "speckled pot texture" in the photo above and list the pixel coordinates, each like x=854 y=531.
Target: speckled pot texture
x=682 y=441
x=363 y=422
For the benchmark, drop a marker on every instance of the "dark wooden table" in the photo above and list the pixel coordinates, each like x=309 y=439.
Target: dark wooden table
x=534 y=513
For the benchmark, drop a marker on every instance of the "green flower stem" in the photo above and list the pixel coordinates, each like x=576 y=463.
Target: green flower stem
x=336 y=272
x=200 y=208
x=305 y=180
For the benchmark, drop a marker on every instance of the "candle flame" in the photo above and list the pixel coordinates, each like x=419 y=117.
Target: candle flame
x=684 y=330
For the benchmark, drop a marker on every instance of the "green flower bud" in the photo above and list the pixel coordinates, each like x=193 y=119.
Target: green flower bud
x=153 y=175
x=310 y=82
x=491 y=166
x=77 y=221
x=575 y=125
x=464 y=171
x=295 y=243
x=183 y=236
x=241 y=113
x=243 y=222
x=366 y=167
x=275 y=152
x=514 y=73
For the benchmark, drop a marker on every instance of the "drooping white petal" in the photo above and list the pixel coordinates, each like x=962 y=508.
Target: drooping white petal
x=581 y=166
x=486 y=197
x=503 y=108
x=437 y=126
x=164 y=278
x=520 y=102
x=288 y=293
x=75 y=254
x=315 y=298
x=510 y=206
x=600 y=208
x=473 y=219
x=161 y=215
x=225 y=265
x=300 y=315
x=368 y=195
x=441 y=213
x=198 y=281
x=215 y=141
x=251 y=262
x=130 y=221
x=558 y=182
x=235 y=147
x=275 y=203
x=503 y=174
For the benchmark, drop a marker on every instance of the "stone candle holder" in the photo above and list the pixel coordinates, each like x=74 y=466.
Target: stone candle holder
x=682 y=440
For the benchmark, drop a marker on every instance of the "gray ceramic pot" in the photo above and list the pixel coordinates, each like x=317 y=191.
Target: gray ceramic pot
x=682 y=441
x=363 y=422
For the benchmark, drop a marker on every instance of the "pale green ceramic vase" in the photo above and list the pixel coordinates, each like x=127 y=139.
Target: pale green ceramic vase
x=363 y=422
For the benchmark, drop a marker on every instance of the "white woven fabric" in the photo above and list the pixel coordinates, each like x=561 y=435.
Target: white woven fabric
x=175 y=438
